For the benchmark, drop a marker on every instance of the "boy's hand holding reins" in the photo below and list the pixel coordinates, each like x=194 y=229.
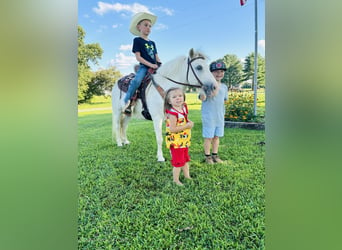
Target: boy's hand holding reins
x=153 y=67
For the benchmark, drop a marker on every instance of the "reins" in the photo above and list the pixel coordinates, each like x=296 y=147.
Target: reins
x=160 y=90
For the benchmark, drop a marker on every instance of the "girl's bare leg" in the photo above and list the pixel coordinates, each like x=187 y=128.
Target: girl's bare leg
x=176 y=172
x=186 y=171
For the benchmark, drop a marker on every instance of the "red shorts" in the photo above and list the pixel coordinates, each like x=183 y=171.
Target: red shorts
x=179 y=156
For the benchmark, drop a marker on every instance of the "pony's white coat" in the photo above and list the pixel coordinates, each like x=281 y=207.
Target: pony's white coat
x=175 y=70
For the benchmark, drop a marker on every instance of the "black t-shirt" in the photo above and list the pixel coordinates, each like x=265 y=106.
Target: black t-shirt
x=147 y=49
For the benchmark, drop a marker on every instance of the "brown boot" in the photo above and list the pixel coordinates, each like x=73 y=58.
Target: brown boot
x=209 y=160
x=217 y=159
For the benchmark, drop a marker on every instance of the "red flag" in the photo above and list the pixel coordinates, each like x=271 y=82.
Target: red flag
x=242 y=2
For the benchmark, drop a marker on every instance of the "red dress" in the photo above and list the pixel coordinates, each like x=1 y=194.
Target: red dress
x=179 y=142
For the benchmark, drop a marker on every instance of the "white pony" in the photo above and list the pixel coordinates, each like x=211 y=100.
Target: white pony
x=183 y=71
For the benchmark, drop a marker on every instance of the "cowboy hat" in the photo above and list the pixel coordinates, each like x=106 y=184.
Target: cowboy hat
x=137 y=18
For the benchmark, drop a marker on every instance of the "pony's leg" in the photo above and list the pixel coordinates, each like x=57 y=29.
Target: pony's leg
x=116 y=127
x=124 y=124
x=157 y=123
x=116 y=116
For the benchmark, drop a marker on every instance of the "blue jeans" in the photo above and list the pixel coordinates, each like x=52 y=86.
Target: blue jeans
x=135 y=83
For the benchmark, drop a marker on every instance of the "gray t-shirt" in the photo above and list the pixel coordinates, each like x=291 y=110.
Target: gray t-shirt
x=213 y=109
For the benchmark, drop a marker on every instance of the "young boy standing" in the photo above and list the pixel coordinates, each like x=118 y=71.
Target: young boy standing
x=213 y=111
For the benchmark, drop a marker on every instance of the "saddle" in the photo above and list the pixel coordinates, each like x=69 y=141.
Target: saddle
x=140 y=93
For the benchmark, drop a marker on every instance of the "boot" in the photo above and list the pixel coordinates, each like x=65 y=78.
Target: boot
x=209 y=160
x=216 y=159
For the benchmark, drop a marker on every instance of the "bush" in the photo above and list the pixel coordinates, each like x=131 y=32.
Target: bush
x=239 y=107
x=246 y=85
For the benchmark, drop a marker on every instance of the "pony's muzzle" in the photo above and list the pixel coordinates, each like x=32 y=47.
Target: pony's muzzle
x=208 y=89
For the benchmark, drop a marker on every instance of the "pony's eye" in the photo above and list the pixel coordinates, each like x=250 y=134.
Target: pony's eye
x=199 y=67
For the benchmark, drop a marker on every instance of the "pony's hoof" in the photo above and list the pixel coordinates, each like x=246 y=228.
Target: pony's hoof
x=127 y=142
x=161 y=159
x=119 y=144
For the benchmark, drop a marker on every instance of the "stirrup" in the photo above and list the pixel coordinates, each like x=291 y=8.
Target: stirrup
x=128 y=110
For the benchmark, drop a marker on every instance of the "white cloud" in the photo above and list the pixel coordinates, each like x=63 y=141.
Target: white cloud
x=167 y=11
x=261 y=44
x=118 y=7
x=101 y=28
x=160 y=26
x=122 y=61
x=125 y=47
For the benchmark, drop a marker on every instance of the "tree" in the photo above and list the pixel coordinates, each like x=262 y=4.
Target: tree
x=233 y=75
x=84 y=77
x=102 y=82
x=249 y=69
x=86 y=53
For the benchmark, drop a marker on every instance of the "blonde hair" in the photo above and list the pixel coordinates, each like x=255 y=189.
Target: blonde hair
x=167 y=104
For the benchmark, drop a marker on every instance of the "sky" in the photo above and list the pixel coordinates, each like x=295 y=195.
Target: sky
x=216 y=28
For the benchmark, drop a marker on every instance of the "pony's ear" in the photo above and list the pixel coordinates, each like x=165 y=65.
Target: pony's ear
x=191 y=53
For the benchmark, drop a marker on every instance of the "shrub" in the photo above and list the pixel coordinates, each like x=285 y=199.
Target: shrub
x=239 y=107
x=246 y=85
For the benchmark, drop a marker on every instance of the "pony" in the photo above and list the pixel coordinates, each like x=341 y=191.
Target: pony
x=183 y=71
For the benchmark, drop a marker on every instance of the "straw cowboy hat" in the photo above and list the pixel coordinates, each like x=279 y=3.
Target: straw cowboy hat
x=137 y=18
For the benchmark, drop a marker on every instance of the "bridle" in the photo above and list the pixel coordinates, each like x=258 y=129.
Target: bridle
x=187 y=74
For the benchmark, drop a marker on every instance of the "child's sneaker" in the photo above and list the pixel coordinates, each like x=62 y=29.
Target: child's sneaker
x=209 y=160
x=217 y=159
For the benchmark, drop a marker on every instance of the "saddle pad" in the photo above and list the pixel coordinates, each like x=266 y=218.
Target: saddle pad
x=123 y=82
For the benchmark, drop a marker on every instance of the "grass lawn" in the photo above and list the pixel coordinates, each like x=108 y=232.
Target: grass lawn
x=127 y=199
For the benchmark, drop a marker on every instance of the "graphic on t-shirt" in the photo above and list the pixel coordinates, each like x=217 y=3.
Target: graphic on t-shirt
x=150 y=50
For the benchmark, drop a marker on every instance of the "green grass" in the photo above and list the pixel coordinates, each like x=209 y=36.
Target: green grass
x=102 y=105
x=96 y=102
x=127 y=199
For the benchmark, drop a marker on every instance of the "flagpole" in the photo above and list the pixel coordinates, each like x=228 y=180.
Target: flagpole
x=255 y=56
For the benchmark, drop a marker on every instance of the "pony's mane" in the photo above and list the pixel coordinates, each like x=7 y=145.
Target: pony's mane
x=177 y=64
x=170 y=67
